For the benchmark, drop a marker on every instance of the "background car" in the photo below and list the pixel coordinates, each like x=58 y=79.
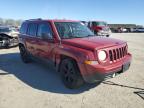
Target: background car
x=100 y=28
x=8 y=36
x=140 y=30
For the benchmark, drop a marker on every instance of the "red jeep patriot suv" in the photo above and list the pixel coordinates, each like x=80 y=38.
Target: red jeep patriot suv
x=75 y=51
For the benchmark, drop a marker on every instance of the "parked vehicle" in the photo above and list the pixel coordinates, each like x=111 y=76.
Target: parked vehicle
x=114 y=30
x=99 y=28
x=74 y=50
x=124 y=30
x=140 y=29
x=8 y=37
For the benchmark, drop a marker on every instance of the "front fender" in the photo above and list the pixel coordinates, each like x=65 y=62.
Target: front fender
x=78 y=54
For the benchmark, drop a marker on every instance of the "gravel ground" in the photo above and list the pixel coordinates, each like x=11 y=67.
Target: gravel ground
x=37 y=86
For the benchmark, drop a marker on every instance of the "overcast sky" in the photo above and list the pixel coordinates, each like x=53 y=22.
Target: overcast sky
x=112 y=11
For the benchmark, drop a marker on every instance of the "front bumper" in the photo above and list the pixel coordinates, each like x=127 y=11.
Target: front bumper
x=8 y=43
x=94 y=73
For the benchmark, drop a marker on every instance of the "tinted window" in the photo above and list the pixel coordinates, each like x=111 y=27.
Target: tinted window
x=23 y=28
x=32 y=29
x=44 y=29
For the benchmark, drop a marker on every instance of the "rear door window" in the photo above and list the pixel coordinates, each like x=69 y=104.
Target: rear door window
x=45 y=29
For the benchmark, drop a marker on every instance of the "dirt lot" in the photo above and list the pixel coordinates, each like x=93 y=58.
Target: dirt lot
x=37 y=86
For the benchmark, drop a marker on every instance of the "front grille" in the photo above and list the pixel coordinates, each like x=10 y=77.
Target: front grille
x=117 y=53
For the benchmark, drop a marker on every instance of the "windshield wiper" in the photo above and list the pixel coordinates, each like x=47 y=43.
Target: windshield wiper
x=71 y=37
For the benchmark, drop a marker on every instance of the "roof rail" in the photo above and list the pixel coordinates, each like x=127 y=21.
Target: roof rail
x=34 y=19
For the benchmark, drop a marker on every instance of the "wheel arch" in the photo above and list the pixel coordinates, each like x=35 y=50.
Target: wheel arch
x=62 y=57
x=77 y=56
x=20 y=44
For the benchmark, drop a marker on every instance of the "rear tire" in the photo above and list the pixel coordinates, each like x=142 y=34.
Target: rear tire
x=24 y=55
x=70 y=74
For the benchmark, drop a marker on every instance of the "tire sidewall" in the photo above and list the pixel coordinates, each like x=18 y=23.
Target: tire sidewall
x=78 y=81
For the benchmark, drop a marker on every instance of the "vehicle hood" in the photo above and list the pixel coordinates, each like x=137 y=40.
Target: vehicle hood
x=10 y=34
x=91 y=43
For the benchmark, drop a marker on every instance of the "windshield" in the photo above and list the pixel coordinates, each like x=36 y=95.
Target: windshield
x=4 y=30
x=72 y=30
x=99 y=23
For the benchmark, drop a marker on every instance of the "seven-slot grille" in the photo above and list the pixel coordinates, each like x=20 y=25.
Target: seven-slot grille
x=117 y=53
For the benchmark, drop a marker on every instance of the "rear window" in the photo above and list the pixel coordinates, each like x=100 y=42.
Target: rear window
x=4 y=30
x=32 y=29
x=23 y=28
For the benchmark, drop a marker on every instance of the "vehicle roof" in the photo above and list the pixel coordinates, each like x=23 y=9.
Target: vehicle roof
x=51 y=20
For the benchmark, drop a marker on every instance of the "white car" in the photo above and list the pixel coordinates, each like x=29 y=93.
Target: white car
x=8 y=37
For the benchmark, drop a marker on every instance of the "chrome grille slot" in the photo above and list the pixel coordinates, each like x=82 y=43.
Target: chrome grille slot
x=114 y=54
x=120 y=52
x=110 y=55
x=117 y=53
x=123 y=51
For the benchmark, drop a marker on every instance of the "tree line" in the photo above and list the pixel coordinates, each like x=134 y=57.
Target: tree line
x=11 y=22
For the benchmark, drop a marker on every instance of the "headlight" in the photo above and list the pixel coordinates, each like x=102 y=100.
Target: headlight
x=102 y=55
x=9 y=34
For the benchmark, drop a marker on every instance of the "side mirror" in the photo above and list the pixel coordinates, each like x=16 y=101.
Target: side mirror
x=46 y=36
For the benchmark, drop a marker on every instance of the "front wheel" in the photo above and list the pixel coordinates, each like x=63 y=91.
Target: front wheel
x=70 y=74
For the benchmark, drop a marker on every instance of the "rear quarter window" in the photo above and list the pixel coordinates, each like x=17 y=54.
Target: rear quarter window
x=23 y=28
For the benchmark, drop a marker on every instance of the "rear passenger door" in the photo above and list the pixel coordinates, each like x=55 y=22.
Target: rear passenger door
x=45 y=43
x=31 y=40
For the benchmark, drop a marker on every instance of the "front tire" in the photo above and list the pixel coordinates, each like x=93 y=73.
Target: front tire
x=70 y=74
